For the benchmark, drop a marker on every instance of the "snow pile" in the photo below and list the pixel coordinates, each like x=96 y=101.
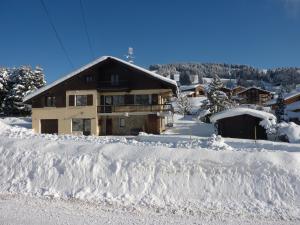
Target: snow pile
x=137 y=175
x=216 y=142
x=290 y=130
x=3 y=127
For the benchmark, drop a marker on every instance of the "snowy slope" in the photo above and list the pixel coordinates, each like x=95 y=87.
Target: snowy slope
x=190 y=177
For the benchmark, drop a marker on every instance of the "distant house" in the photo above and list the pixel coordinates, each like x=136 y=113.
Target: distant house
x=292 y=102
x=106 y=97
x=230 y=92
x=237 y=89
x=194 y=90
x=227 y=91
x=242 y=123
x=254 y=95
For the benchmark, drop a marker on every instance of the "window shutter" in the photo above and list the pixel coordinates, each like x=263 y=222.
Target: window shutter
x=154 y=99
x=71 y=100
x=89 y=99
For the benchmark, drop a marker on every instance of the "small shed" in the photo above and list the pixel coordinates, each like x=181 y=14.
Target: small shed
x=243 y=123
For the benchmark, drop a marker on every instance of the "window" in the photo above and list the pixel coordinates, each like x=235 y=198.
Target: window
x=122 y=122
x=114 y=79
x=81 y=100
x=81 y=125
x=118 y=100
x=142 y=99
x=89 y=79
x=108 y=100
x=50 y=101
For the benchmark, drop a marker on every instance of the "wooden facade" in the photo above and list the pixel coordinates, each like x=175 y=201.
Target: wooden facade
x=255 y=96
x=241 y=126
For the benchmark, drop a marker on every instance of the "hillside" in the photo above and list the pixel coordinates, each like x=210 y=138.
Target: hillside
x=244 y=73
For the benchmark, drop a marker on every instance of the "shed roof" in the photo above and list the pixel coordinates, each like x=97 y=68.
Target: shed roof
x=242 y=111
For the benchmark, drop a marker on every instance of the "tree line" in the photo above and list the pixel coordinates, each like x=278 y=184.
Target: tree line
x=15 y=84
x=245 y=75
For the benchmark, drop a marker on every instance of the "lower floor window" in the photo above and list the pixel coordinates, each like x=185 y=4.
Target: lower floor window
x=81 y=125
x=122 y=122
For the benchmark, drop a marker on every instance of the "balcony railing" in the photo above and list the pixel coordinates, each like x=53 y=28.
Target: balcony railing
x=108 y=85
x=134 y=108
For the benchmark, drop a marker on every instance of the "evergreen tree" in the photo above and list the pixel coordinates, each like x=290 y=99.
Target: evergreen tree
x=217 y=99
x=183 y=103
x=22 y=81
x=280 y=108
x=4 y=74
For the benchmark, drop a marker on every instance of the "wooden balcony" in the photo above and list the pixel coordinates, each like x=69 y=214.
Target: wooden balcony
x=108 y=86
x=133 y=108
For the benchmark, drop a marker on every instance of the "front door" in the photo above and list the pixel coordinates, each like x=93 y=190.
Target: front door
x=108 y=126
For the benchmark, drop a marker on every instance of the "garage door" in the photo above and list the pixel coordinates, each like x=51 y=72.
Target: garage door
x=49 y=126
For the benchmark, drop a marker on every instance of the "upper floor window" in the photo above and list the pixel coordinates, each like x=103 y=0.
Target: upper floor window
x=114 y=79
x=89 y=78
x=80 y=100
x=118 y=100
x=142 y=100
x=50 y=101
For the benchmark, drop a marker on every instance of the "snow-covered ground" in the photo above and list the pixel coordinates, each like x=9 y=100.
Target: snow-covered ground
x=190 y=125
x=149 y=179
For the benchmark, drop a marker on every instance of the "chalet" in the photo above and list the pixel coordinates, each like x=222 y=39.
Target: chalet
x=227 y=91
x=243 y=123
x=237 y=89
x=254 y=95
x=194 y=90
x=106 y=97
x=292 y=102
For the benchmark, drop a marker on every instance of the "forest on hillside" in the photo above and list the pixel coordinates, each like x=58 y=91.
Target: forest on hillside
x=245 y=75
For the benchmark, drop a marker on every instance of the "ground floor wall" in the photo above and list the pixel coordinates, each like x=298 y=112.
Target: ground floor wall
x=119 y=125
x=131 y=125
x=64 y=117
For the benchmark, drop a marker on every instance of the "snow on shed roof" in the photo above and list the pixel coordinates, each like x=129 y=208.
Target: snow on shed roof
x=242 y=111
x=99 y=60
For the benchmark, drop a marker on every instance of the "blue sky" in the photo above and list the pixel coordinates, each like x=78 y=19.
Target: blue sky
x=262 y=33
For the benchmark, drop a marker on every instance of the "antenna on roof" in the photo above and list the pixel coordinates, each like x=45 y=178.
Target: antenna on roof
x=129 y=56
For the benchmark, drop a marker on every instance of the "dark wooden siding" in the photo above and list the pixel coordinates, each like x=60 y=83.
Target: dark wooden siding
x=129 y=79
x=242 y=126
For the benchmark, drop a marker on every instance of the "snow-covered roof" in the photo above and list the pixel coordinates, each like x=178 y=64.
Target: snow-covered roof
x=286 y=96
x=99 y=60
x=293 y=106
x=253 y=87
x=186 y=93
x=188 y=87
x=242 y=111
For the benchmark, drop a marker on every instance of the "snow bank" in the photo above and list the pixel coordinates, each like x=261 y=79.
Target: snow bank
x=290 y=130
x=138 y=175
x=3 y=127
